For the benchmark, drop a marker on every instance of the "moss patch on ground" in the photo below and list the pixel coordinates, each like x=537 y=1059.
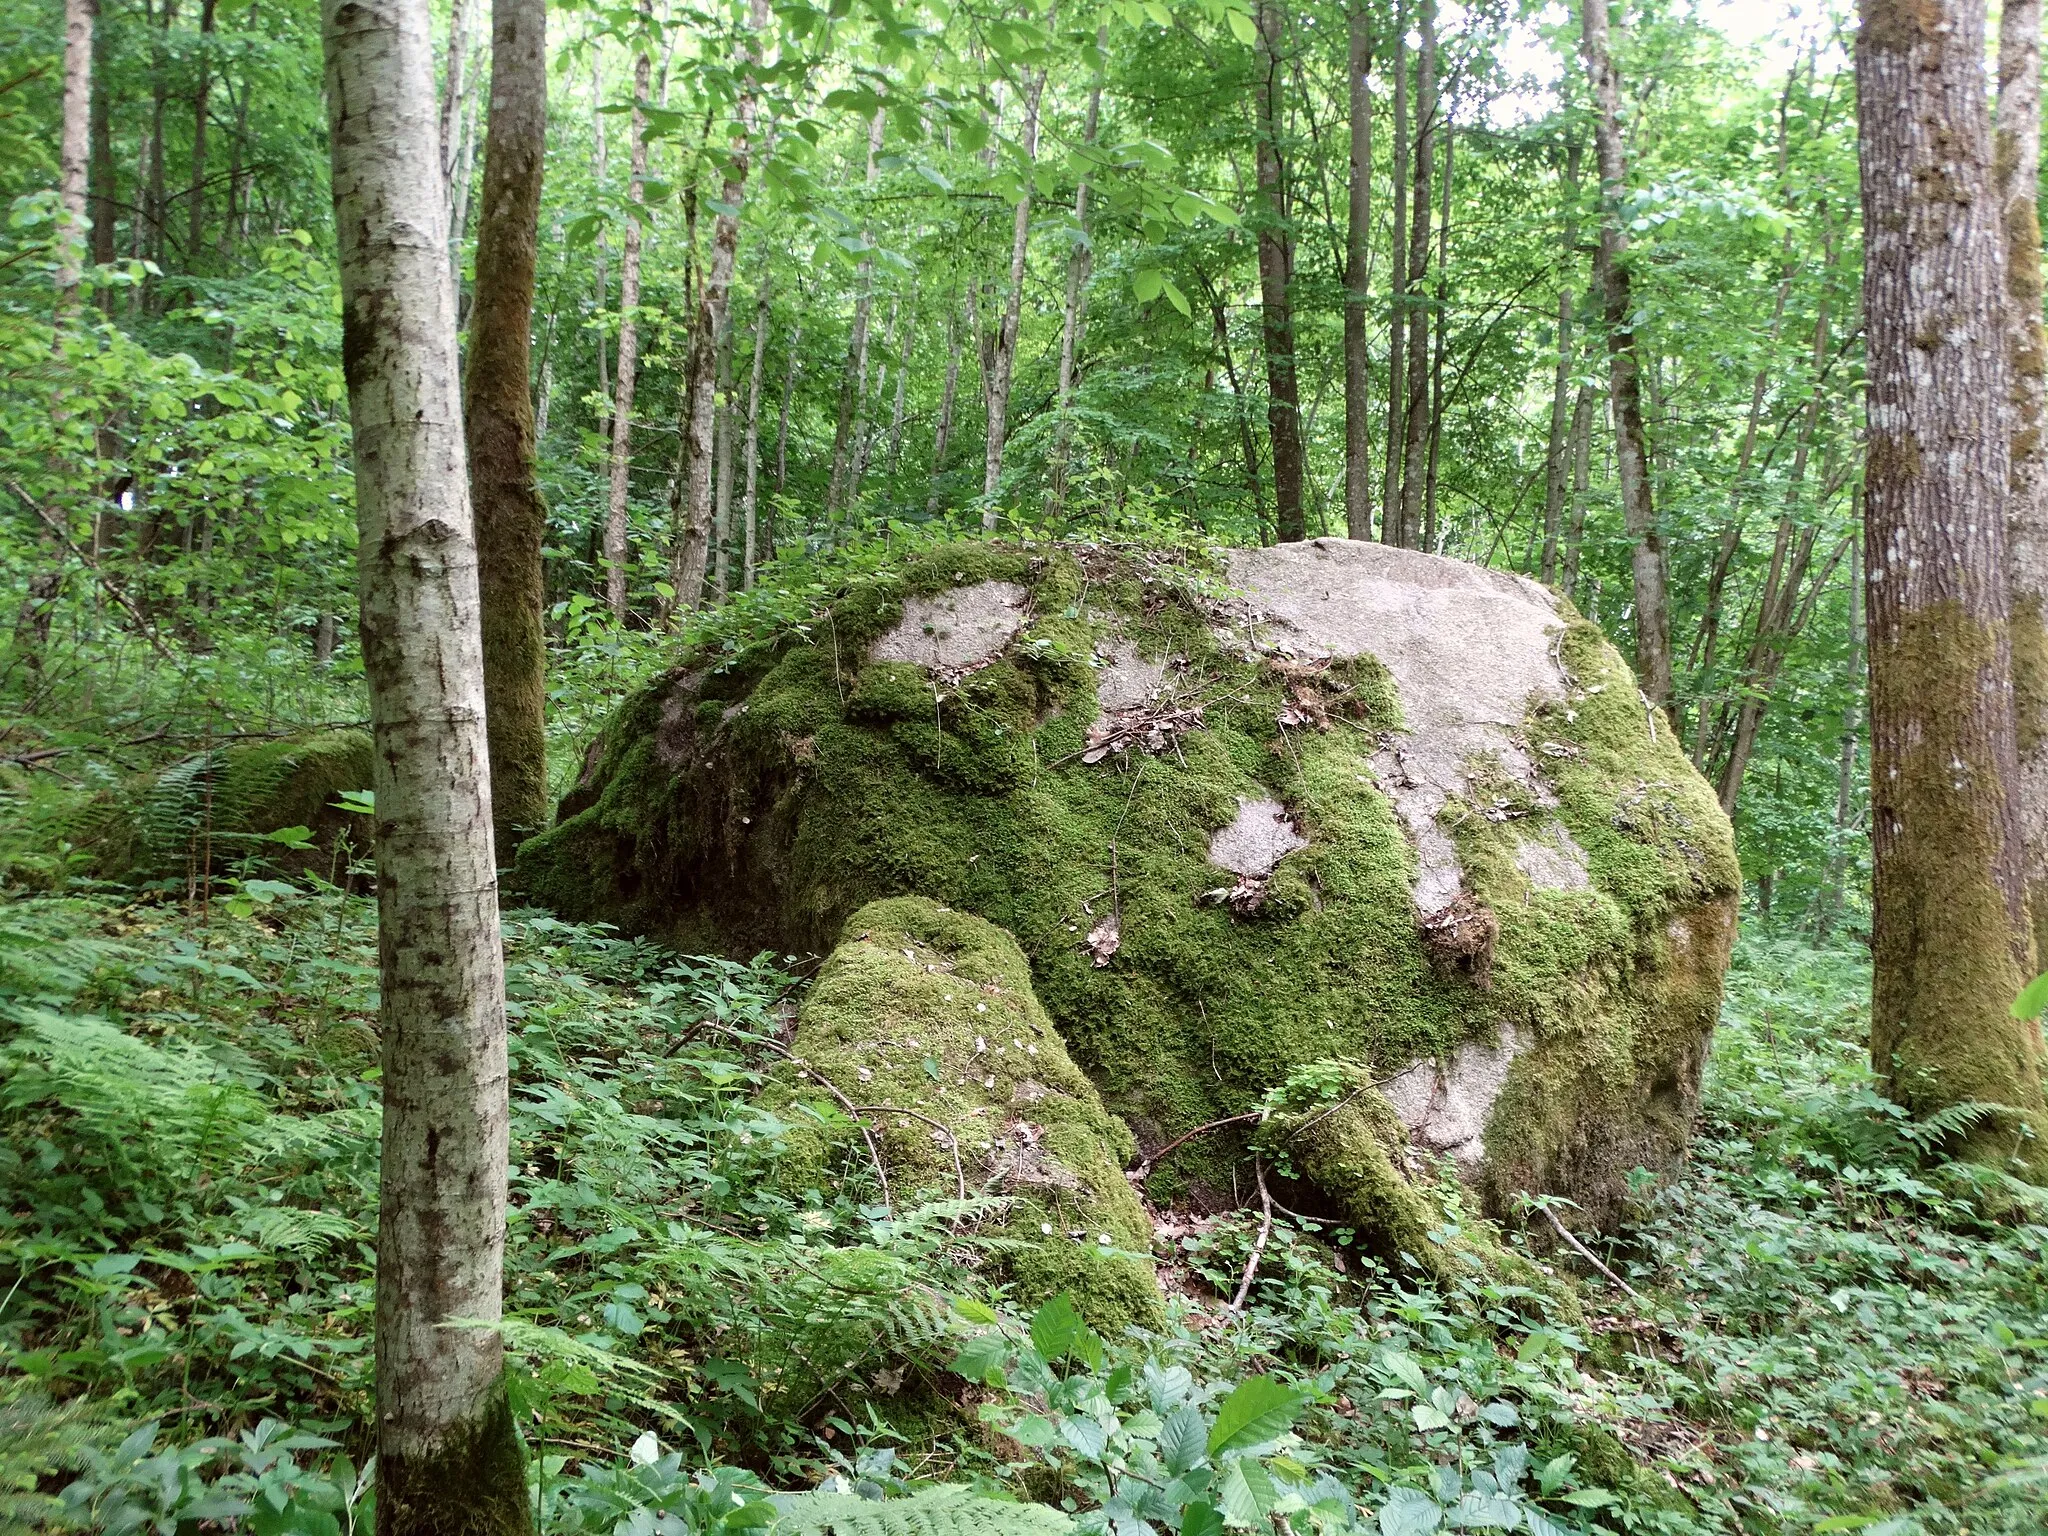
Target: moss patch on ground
x=758 y=803
x=924 y=1019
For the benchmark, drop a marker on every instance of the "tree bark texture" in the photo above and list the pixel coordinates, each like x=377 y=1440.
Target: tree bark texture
x=1557 y=458
x=195 y=211
x=511 y=520
x=948 y=395
x=751 y=500
x=1582 y=479
x=105 y=203
x=1951 y=944
x=1415 y=413
x=2026 y=517
x=1397 y=313
x=707 y=331
x=629 y=349
x=1080 y=266
x=1357 y=281
x=447 y=1457
x=1276 y=274
x=1652 y=600
x=74 y=148
x=1003 y=356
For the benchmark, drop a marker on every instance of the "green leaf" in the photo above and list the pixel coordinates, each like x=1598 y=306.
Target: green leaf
x=1178 y=299
x=1406 y=1371
x=1201 y=1518
x=1249 y=1493
x=1183 y=1440
x=1591 y=1498
x=1258 y=1410
x=981 y=1357
x=1242 y=29
x=2033 y=999
x=1056 y=1327
x=1409 y=1512
x=1147 y=285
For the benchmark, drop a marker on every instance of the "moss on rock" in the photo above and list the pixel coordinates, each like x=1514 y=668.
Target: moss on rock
x=1066 y=781
x=924 y=1018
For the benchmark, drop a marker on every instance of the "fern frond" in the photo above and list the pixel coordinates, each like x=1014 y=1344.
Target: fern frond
x=934 y=1512
x=288 y=1229
x=1955 y=1120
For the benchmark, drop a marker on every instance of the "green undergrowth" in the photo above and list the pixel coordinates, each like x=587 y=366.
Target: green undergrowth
x=1828 y=1331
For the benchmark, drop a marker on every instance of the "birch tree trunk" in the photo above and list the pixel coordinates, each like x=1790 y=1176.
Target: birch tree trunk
x=1557 y=456
x=2026 y=515
x=1582 y=455
x=1357 y=282
x=602 y=249
x=1652 y=602
x=1950 y=938
x=74 y=149
x=629 y=348
x=447 y=1456
x=1415 y=410
x=902 y=402
x=511 y=520
x=1441 y=318
x=1276 y=273
x=1003 y=357
x=751 y=502
x=721 y=496
x=796 y=337
x=692 y=549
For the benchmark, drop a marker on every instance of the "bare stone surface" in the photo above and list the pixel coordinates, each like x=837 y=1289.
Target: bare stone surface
x=1553 y=860
x=1125 y=679
x=1446 y=1109
x=1469 y=649
x=1258 y=839
x=957 y=630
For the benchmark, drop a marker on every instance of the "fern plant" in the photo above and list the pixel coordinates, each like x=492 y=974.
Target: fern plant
x=948 y=1511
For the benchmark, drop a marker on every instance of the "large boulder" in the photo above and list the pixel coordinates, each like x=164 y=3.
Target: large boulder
x=1329 y=800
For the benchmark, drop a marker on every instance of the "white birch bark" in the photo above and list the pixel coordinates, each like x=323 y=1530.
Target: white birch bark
x=751 y=498
x=444 y=1432
x=74 y=147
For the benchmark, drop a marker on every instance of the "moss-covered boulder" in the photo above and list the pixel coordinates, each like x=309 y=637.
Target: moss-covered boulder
x=924 y=1021
x=1328 y=800
x=204 y=813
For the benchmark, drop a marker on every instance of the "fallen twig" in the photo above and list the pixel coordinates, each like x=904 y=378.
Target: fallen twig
x=1151 y=1161
x=1251 y=1265
x=959 y=1169
x=1586 y=1253
x=874 y=1151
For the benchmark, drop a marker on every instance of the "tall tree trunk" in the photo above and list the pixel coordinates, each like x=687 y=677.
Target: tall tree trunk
x=707 y=331
x=855 y=377
x=1836 y=888
x=1415 y=412
x=2026 y=514
x=751 y=502
x=629 y=348
x=157 y=201
x=1357 y=281
x=600 y=279
x=1582 y=457
x=105 y=199
x=902 y=402
x=1951 y=943
x=1276 y=274
x=871 y=428
x=195 y=212
x=74 y=148
x=1439 y=341
x=1003 y=358
x=1557 y=457
x=511 y=520
x=1652 y=601
x=454 y=91
x=721 y=496
x=947 y=397
x=448 y=1458
x=1080 y=266
x=796 y=337
x=1397 y=310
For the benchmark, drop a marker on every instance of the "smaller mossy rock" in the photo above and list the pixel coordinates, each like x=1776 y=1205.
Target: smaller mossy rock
x=1406 y=1208
x=924 y=1018
x=215 y=808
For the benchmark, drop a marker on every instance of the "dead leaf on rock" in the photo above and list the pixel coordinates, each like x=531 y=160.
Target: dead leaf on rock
x=1106 y=938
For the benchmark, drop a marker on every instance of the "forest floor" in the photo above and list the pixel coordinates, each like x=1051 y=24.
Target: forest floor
x=1820 y=1330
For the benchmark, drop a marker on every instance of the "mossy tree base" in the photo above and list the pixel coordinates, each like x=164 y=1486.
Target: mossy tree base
x=474 y=1485
x=1067 y=784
